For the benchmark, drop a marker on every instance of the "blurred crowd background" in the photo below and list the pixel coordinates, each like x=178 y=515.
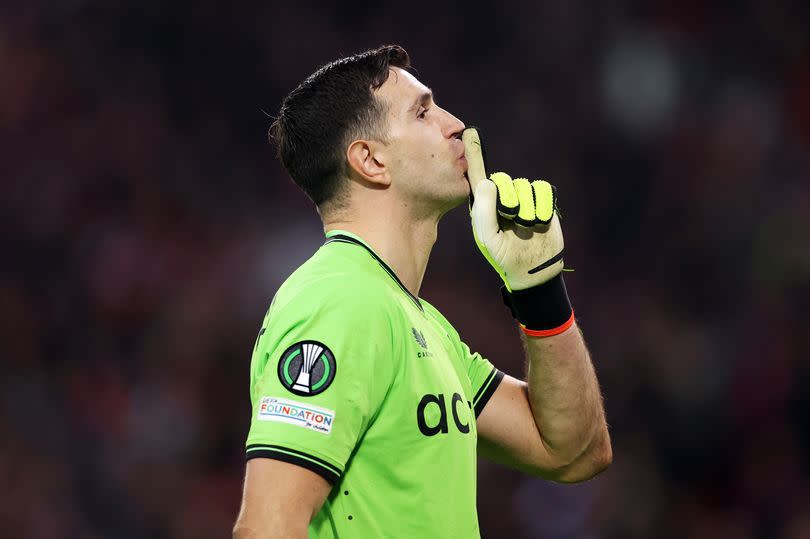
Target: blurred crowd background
x=145 y=225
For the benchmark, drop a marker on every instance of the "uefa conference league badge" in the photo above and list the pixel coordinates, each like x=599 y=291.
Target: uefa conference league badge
x=307 y=368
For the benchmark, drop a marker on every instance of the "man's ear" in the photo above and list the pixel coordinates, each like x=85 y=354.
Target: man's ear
x=367 y=158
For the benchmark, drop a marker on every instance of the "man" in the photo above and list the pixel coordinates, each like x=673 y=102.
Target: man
x=368 y=409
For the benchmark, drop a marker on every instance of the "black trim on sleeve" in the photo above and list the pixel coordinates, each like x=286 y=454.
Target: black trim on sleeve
x=292 y=456
x=486 y=391
x=484 y=385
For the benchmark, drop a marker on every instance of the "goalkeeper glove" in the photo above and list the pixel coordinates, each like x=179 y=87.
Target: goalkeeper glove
x=525 y=246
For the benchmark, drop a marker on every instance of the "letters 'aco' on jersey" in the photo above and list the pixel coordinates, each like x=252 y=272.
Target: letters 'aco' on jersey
x=370 y=387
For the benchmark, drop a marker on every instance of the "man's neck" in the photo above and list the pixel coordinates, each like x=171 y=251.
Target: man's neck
x=404 y=246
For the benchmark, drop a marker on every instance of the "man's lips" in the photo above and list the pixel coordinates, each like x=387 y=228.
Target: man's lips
x=460 y=155
x=460 y=146
x=463 y=159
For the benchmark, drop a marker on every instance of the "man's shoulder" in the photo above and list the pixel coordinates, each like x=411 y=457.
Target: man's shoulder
x=329 y=280
x=438 y=316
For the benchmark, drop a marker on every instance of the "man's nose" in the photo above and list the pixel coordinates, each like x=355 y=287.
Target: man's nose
x=454 y=127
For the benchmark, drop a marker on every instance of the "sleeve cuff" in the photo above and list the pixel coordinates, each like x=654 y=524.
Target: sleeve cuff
x=326 y=470
x=486 y=390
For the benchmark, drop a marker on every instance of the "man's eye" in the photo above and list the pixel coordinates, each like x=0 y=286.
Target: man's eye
x=422 y=114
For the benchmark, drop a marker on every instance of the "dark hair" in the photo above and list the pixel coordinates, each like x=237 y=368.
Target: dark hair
x=332 y=107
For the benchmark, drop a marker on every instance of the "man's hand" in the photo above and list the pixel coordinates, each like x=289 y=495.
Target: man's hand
x=553 y=424
x=527 y=249
x=515 y=222
x=517 y=228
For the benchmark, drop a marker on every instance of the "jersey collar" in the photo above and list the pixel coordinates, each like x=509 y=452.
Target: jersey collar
x=343 y=236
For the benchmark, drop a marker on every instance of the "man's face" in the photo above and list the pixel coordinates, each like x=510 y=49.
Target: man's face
x=425 y=153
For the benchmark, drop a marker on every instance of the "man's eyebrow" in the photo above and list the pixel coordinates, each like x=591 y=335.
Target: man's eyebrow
x=422 y=100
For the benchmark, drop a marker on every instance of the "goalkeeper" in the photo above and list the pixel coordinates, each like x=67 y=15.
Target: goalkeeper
x=368 y=409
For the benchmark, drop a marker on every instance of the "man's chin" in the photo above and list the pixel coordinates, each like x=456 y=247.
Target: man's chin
x=459 y=194
x=461 y=198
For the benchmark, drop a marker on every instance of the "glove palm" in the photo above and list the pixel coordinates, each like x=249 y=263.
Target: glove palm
x=515 y=222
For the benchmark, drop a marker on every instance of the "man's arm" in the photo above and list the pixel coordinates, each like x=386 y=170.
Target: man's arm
x=279 y=500
x=554 y=425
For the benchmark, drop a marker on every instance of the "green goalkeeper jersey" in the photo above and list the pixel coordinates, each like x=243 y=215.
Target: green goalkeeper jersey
x=359 y=381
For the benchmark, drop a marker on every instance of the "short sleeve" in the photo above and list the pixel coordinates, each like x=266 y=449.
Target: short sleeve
x=484 y=377
x=320 y=370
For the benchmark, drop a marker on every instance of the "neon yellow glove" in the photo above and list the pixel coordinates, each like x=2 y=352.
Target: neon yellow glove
x=525 y=244
x=527 y=249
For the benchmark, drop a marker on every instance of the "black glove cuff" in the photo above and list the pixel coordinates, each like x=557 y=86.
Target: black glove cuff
x=541 y=308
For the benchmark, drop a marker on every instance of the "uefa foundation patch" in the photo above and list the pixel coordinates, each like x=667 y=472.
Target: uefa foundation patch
x=296 y=413
x=307 y=368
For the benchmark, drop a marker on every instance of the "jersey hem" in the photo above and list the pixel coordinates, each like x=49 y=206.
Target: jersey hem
x=487 y=390
x=293 y=456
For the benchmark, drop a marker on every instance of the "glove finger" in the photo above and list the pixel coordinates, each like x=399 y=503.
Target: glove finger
x=545 y=198
x=507 y=198
x=526 y=214
x=474 y=152
x=483 y=213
